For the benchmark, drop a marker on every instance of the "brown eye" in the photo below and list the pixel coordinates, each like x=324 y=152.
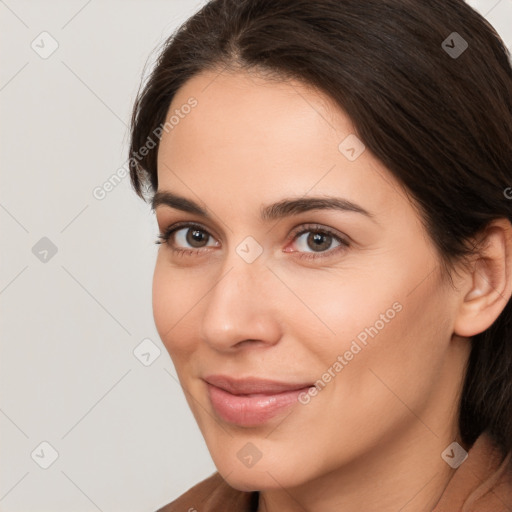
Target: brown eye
x=187 y=237
x=316 y=241
x=196 y=237
x=319 y=241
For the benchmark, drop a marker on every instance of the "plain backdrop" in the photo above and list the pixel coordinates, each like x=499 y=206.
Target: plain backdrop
x=91 y=414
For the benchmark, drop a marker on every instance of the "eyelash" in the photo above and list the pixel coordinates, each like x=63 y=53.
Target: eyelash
x=164 y=238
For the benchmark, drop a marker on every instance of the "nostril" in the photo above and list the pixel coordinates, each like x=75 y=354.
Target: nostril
x=250 y=342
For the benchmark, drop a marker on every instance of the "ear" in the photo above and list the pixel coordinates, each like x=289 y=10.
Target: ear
x=487 y=287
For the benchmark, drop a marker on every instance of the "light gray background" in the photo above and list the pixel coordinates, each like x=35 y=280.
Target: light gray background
x=70 y=322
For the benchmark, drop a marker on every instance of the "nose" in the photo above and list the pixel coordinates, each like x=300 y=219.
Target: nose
x=242 y=308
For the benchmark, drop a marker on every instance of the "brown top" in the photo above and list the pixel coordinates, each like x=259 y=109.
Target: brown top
x=482 y=483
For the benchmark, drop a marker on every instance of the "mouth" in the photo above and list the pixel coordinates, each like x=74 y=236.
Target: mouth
x=251 y=402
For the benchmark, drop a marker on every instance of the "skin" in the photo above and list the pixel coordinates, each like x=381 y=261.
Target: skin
x=372 y=438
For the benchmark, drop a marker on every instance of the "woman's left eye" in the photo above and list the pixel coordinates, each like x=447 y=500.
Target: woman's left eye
x=317 y=241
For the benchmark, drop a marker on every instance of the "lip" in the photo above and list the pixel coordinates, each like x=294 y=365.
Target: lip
x=251 y=401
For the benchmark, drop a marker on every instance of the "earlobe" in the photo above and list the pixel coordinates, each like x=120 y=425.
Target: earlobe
x=489 y=281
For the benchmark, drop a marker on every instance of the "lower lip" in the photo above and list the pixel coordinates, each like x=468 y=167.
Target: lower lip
x=251 y=410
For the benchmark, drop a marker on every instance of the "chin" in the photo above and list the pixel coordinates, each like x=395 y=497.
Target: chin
x=248 y=481
x=261 y=477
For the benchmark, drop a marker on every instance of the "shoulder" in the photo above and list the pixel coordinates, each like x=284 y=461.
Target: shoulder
x=211 y=495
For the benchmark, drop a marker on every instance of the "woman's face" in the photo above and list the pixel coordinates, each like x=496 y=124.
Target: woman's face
x=269 y=283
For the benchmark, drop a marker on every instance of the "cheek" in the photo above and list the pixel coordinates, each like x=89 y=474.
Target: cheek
x=399 y=366
x=174 y=298
x=342 y=306
x=162 y=309
x=372 y=323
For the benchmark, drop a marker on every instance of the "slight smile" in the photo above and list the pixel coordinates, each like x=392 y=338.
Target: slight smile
x=251 y=401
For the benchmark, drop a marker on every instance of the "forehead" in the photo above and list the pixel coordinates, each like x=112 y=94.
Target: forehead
x=250 y=137
x=243 y=113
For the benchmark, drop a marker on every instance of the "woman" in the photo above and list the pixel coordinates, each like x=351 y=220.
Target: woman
x=331 y=184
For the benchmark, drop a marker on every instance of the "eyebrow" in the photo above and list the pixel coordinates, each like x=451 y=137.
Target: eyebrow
x=284 y=208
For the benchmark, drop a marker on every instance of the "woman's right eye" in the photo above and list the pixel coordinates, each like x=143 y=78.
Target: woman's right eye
x=186 y=238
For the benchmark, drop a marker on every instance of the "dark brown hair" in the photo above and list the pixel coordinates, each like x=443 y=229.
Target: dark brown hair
x=440 y=122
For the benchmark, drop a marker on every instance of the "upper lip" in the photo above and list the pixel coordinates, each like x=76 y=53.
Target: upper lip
x=250 y=385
